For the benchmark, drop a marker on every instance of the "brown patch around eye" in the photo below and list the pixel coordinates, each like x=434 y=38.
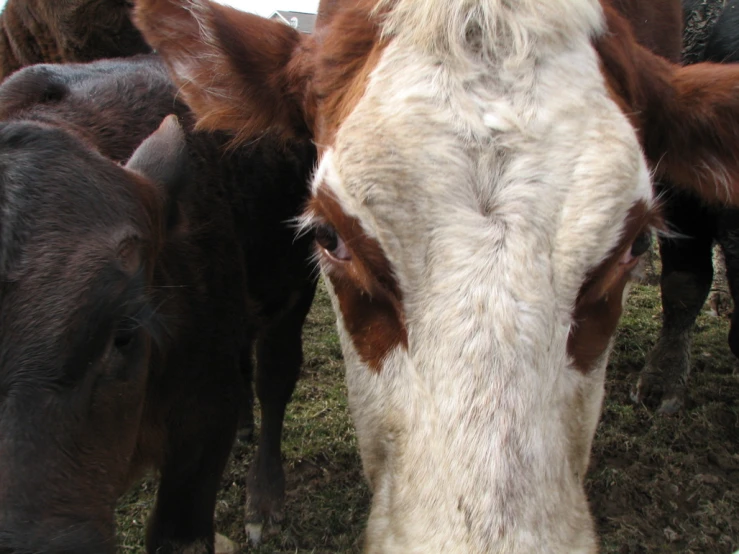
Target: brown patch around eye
x=599 y=304
x=368 y=294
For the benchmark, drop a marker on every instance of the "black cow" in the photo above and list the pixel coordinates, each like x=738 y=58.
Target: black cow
x=130 y=300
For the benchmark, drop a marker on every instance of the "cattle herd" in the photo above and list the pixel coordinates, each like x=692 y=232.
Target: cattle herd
x=477 y=180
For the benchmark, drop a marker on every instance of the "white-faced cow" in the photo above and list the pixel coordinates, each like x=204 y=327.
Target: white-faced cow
x=130 y=300
x=482 y=199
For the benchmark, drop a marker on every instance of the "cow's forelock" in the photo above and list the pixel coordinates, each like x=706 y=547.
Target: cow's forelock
x=494 y=188
x=496 y=29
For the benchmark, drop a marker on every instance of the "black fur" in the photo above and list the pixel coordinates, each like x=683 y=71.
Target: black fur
x=125 y=331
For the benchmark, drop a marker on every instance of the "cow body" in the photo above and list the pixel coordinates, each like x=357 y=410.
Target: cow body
x=482 y=199
x=38 y=31
x=687 y=264
x=131 y=300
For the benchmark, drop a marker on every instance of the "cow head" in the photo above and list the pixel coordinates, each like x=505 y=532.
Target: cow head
x=113 y=104
x=79 y=236
x=481 y=201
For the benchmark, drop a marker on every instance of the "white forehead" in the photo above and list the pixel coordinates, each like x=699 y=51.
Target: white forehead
x=515 y=156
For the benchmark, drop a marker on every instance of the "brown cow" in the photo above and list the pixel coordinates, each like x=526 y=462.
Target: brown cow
x=482 y=199
x=130 y=301
x=37 y=31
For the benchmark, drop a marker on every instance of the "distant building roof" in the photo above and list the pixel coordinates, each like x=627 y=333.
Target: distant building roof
x=303 y=22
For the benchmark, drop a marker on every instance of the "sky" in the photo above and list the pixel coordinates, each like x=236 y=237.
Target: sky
x=261 y=7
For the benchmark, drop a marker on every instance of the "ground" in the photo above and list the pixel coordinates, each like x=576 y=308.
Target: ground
x=656 y=483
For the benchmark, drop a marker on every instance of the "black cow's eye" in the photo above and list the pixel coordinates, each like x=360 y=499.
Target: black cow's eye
x=124 y=337
x=641 y=244
x=328 y=239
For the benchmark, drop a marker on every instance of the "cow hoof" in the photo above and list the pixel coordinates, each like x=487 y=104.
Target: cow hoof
x=647 y=390
x=254 y=533
x=651 y=391
x=671 y=404
x=224 y=545
x=259 y=528
x=265 y=499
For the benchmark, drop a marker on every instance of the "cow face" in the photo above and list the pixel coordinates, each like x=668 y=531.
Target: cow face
x=476 y=215
x=79 y=236
x=481 y=201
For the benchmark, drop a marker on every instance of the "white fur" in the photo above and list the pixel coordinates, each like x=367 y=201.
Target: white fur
x=495 y=172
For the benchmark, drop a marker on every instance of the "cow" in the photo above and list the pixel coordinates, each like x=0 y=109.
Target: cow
x=482 y=199
x=44 y=31
x=132 y=298
x=686 y=253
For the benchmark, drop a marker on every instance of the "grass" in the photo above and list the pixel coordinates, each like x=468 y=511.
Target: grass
x=656 y=483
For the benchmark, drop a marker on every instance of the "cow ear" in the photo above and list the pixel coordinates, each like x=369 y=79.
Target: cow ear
x=699 y=137
x=162 y=158
x=687 y=116
x=31 y=86
x=237 y=71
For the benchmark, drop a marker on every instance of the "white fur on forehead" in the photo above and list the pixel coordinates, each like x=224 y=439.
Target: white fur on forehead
x=499 y=28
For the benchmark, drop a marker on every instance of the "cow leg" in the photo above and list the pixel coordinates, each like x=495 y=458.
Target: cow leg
x=246 y=414
x=687 y=273
x=279 y=357
x=197 y=450
x=728 y=238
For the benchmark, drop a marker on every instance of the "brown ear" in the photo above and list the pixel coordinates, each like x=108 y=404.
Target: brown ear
x=699 y=139
x=687 y=117
x=237 y=71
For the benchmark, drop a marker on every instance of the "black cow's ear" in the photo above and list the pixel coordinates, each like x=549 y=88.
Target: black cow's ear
x=31 y=86
x=162 y=158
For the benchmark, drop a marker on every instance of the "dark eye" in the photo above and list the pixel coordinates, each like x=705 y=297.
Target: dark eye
x=641 y=244
x=328 y=239
x=124 y=337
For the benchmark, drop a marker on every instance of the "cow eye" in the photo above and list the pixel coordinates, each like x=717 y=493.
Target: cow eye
x=124 y=337
x=641 y=244
x=328 y=239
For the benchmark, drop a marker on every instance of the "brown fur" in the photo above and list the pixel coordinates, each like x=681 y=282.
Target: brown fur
x=251 y=55
x=369 y=296
x=36 y=31
x=261 y=75
x=289 y=84
x=348 y=54
x=600 y=302
x=657 y=24
x=687 y=117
